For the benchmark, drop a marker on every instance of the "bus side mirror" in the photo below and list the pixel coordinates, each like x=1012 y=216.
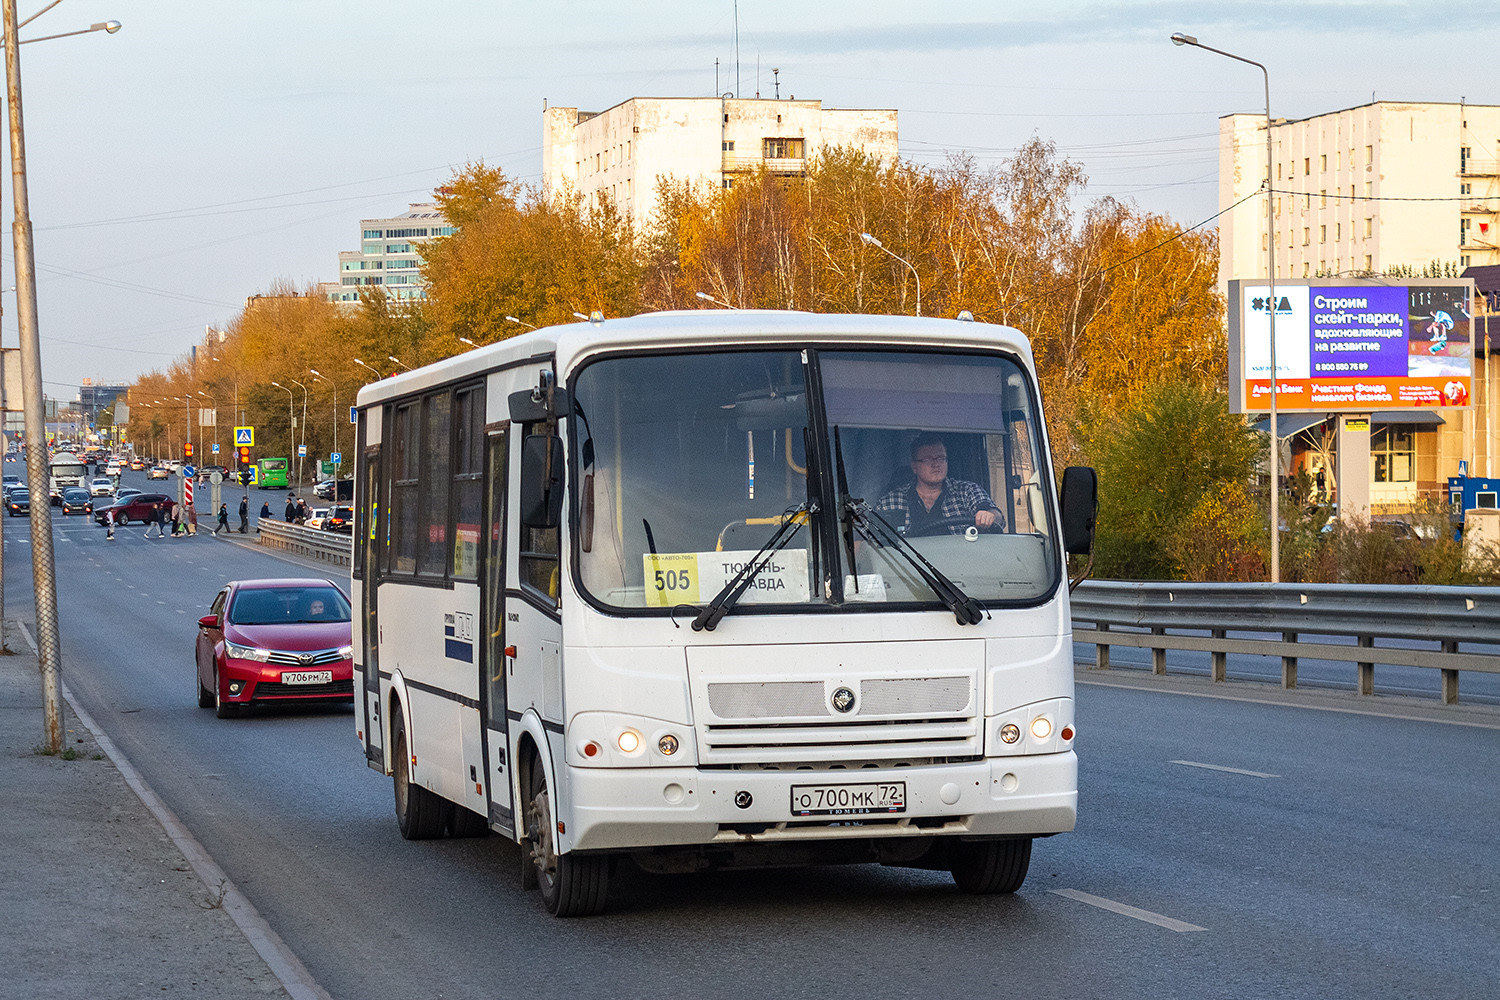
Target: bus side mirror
x=541 y=481
x=1080 y=508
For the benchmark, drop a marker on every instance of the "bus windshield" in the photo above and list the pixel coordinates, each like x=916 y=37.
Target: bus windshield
x=927 y=472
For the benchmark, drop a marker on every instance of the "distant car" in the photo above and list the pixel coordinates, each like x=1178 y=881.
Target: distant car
x=19 y=501
x=275 y=641
x=315 y=517
x=137 y=464
x=138 y=507
x=77 y=500
x=340 y=520
x=125 y=492
x=324 y=489
x=206 y=472
x=159 y=472
x=102 y=486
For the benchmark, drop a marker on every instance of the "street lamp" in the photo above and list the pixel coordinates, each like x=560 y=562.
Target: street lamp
x=512 y=319
x=403 y=364
x=466 y=340
x=709 y=298
x=301 y=447
x=319 y=376
x=866 y=237
x=291 y=417
x=378 y=373
x=1179 y=38
x=43 y=564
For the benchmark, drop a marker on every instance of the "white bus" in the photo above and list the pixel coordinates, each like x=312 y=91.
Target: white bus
x=658 y=588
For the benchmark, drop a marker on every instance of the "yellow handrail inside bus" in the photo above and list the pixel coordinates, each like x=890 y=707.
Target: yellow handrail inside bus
x=801 y=517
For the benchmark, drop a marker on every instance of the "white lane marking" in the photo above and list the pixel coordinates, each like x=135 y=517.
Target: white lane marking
x=1220 y=767
x=1128 y=911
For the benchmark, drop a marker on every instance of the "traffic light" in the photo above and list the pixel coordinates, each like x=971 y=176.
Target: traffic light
x=244 y=455
x=187 y=451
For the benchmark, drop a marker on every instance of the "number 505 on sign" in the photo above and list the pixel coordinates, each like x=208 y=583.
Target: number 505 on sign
x=671 y=578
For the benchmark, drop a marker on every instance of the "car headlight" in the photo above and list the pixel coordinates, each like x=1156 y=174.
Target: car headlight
x=239 y=652
x=346 y=652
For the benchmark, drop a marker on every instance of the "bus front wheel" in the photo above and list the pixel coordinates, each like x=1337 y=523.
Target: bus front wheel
x=572 y=885
x=990 y=866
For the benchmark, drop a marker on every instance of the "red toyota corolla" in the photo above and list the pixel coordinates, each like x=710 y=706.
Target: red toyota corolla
x=275 y=641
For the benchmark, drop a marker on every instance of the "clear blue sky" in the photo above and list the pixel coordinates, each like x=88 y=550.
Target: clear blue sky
x=211 y=149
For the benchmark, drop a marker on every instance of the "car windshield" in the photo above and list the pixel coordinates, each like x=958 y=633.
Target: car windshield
x=678 y=490
x=288 y=605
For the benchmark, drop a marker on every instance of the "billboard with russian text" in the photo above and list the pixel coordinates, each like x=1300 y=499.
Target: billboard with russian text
x=1351 y=346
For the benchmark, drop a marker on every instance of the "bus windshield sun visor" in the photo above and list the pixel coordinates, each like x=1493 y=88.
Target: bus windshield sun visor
x=792 y=520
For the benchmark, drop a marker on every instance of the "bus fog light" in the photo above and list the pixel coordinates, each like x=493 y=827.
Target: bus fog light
x=1041 y=727
x=629 y=741
x=1010 y=732
x=667 y=745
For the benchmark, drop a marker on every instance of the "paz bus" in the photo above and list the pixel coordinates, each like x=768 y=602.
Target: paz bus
x=270 y=473
x=638 y=589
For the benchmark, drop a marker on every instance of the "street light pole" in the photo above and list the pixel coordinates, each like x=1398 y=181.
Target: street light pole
x=291 y=417
x=1179 y=38
x=377 y=371
x=301 y=448
x=866 y=237
x=319 y=376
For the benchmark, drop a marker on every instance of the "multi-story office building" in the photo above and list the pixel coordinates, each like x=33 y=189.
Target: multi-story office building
x=387 y=256
x=1387 y=186
x=621 y=152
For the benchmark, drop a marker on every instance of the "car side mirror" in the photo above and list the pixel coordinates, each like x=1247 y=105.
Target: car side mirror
x=208 y=621
x=1080 y=509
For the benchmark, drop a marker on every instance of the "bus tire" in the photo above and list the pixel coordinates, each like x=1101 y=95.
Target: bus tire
x=572 y=885
x=419 y=812
x=464 y=822
x=990 y=866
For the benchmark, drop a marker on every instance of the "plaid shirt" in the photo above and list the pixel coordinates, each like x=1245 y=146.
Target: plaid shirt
x=957 y=504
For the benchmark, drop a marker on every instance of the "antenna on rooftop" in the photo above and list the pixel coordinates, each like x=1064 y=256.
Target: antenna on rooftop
x=776 y=77
x=737 y=88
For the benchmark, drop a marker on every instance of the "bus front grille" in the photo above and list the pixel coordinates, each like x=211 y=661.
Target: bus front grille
x=891 y=740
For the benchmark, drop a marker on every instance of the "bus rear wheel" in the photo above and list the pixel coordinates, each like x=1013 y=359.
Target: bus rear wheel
x=987 y=867
x=572 y=885
x=419 y=813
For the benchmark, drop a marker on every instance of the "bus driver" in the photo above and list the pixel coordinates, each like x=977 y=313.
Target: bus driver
x=931 y=503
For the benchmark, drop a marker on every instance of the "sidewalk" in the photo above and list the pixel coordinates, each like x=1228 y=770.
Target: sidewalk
x=97 y=900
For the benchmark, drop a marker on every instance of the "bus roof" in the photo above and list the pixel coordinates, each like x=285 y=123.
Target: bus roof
x=572 y=342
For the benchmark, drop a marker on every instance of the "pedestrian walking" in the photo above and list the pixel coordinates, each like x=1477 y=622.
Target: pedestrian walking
x=189 y=520
x=109 y=524
x=158 y=521
x=223 y=524
x=177 y=528
x=291 y=507
x=244 y=513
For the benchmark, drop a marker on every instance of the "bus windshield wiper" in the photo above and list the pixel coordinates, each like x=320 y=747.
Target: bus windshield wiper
x=710 y=615
x=966 y=610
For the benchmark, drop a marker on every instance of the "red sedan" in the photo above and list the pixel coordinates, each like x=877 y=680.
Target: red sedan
x=275 y=641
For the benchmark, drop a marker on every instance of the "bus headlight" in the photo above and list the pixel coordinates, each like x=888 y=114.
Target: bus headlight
x=1010 y=732
x=667 y=745
x=629 y=741
x=615 y=739
x=1041 y=727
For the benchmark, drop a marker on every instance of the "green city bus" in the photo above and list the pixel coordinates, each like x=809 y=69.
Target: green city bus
x=271 y=474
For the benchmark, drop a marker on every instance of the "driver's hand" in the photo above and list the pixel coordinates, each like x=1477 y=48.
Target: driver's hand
x=984 y=519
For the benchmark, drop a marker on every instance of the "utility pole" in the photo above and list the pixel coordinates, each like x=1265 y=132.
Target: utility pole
x=42 y=566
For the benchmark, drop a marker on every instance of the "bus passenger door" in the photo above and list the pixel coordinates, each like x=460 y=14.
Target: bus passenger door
x=372 y=532
x=493 y=663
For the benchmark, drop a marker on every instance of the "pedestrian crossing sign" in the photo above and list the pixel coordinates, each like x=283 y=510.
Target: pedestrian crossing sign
x=244 y=437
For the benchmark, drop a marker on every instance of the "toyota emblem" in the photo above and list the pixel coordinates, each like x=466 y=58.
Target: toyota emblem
x=843 y=700
x=305 y=659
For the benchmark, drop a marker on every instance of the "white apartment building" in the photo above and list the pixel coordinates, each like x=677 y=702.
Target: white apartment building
x=1361 y=190
x=387 y=256
x=621 y=152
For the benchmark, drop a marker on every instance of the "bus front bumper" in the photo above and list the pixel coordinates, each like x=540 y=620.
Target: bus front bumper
x=637 y=808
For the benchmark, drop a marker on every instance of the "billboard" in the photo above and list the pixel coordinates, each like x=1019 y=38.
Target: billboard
x=1351 y=346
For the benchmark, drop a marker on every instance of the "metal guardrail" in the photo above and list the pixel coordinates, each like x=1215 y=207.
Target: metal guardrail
x=1309 y=619
x=326 y=546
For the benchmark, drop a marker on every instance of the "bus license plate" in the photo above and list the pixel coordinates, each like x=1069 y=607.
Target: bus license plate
x=849 y=800
x=308 y=677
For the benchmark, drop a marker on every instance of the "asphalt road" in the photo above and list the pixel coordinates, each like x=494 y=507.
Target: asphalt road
x=1224 y=848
